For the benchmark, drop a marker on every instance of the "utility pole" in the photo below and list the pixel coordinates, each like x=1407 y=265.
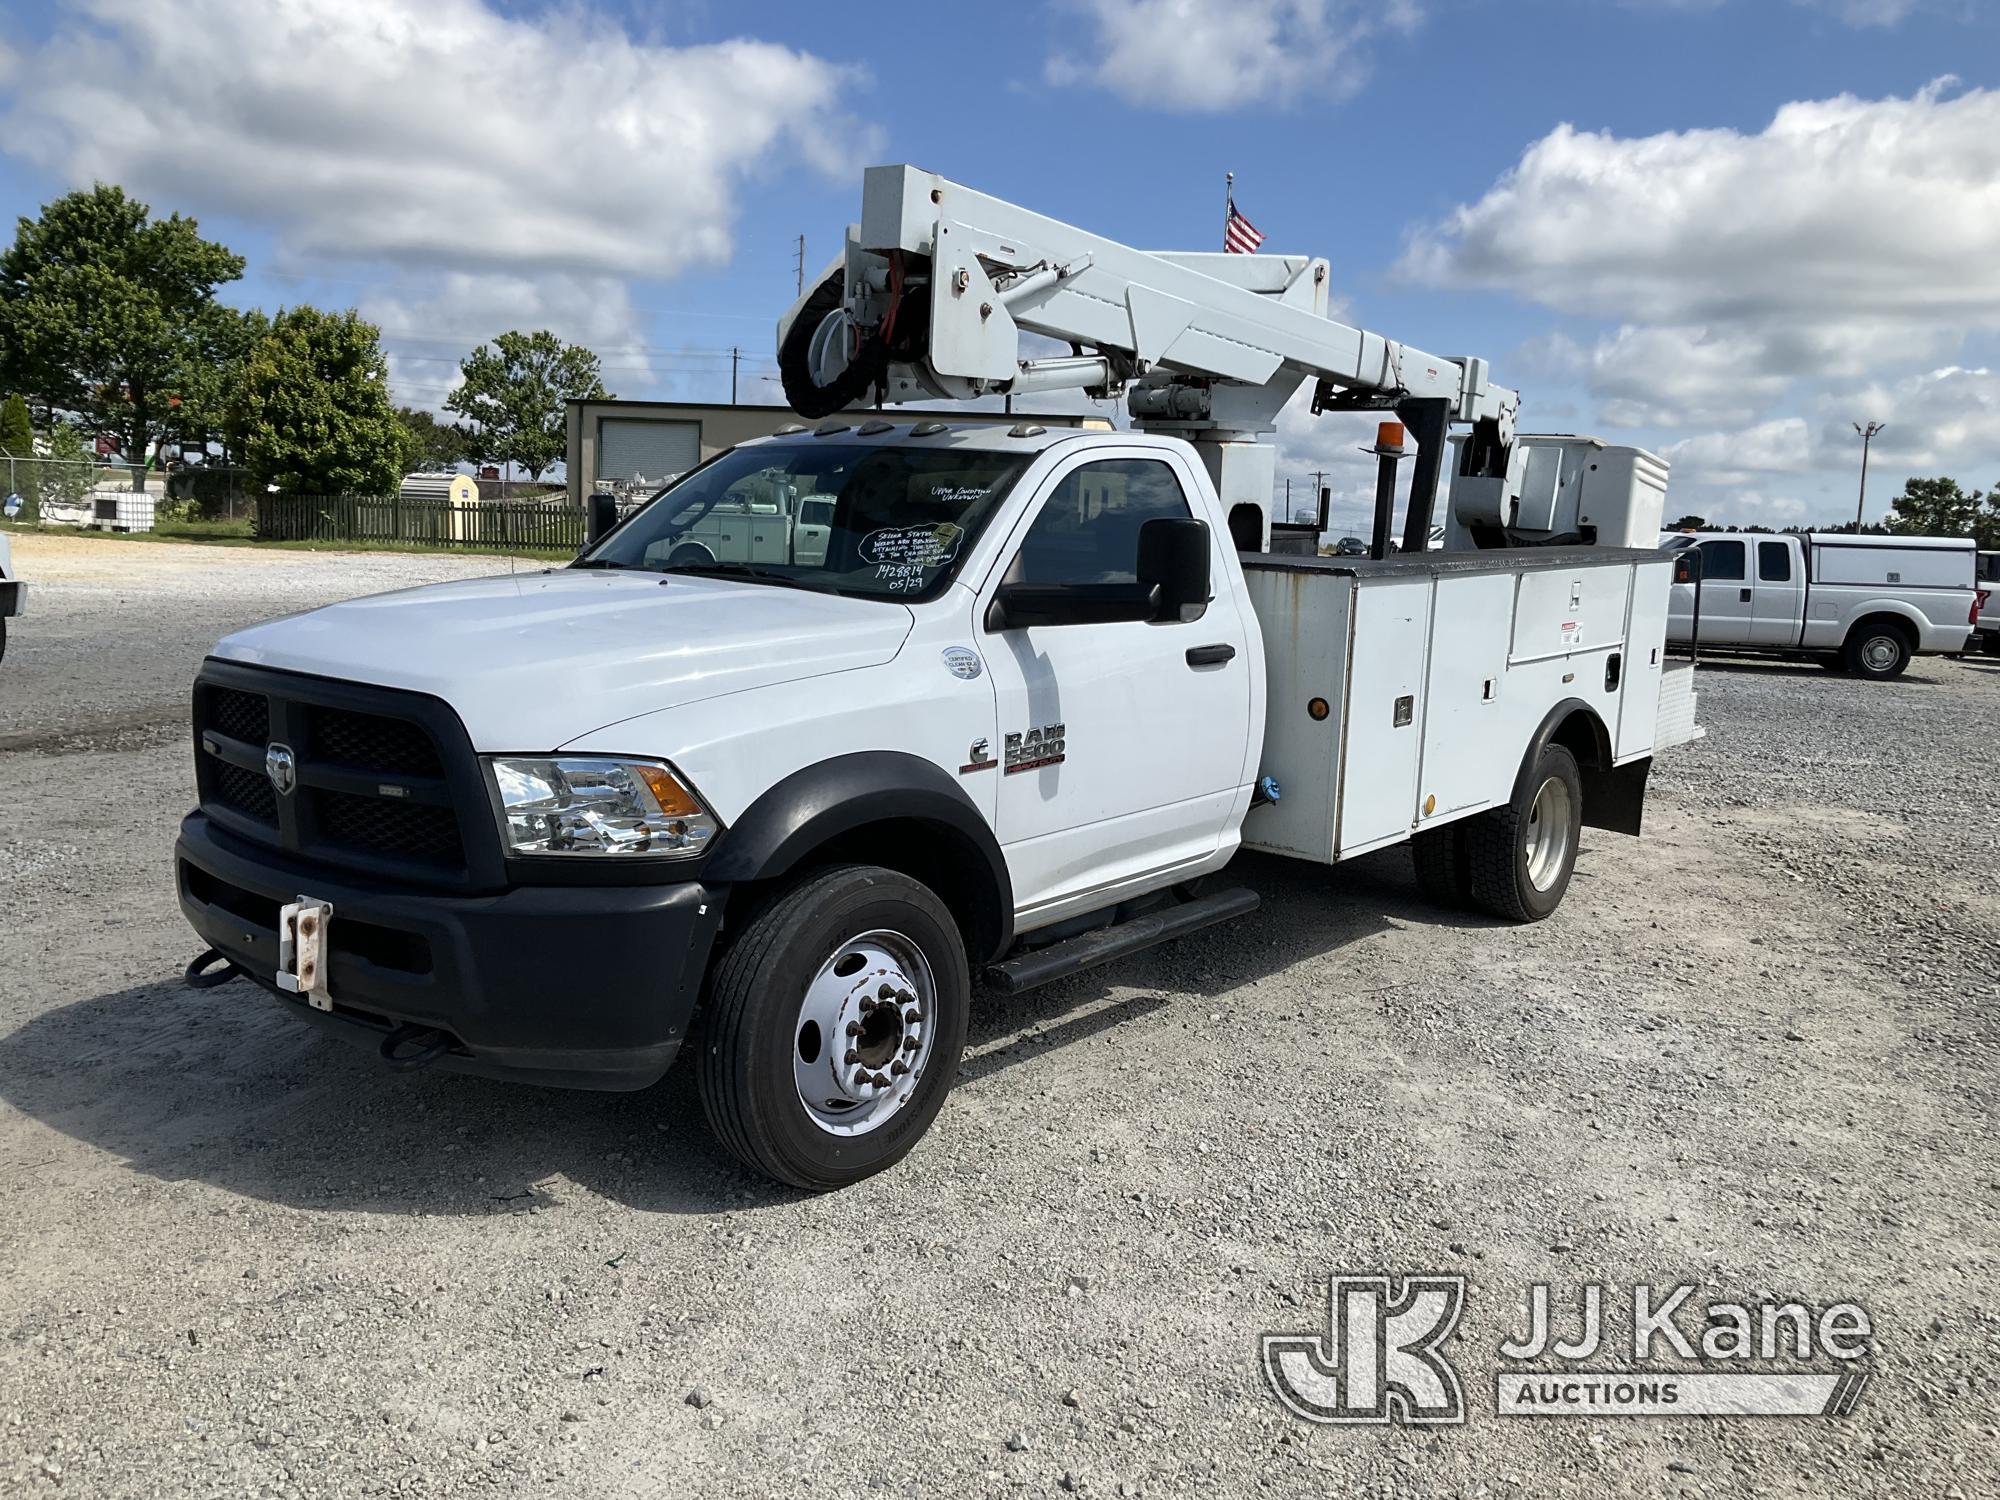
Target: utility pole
x=1867 y=437
x=1288 y=493
x=802 y=265
x=735 y=355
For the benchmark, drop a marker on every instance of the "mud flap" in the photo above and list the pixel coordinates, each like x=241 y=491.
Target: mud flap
x=1615 y=799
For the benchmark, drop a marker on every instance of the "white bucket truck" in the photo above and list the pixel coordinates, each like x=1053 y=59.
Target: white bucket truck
x=1036 y=687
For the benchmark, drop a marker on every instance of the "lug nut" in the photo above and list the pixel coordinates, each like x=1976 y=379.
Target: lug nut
x=852 y=1056
x=913 y=1015
x=898 y=1068
x=910 y=1044
x=868 y=1007
x=854 y=1028
x=887 y=992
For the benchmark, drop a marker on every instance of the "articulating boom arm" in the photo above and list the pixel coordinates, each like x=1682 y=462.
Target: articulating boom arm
x=939 y=284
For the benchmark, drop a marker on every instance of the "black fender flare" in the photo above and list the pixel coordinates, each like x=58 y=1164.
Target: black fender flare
x=1614 y=798
x=818 y=803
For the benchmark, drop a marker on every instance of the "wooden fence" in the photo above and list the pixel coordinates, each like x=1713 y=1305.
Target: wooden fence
x=511 y=525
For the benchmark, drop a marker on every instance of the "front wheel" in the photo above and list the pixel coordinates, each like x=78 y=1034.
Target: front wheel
x=835 y=1027
x=1521 y=856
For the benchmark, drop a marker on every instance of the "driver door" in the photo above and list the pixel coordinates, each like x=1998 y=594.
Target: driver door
x=1123 y=744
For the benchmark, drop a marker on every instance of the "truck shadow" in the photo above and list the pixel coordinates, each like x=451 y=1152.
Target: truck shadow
x=223 y=1088
x=1754 y=666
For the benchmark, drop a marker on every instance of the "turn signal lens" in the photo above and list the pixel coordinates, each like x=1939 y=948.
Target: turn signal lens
x=675 y=800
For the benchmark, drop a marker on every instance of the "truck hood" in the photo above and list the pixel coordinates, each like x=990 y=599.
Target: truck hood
x=534 y=660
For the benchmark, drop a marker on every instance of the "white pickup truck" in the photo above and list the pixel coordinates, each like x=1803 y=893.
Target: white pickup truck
x=1986 y=625
x=1863 y=603
x=1035 y=688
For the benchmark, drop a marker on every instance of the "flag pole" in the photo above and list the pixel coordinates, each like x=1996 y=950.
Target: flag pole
x=1228 y=205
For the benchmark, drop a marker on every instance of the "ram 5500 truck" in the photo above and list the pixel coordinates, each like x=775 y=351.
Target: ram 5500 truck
x=1008 y=716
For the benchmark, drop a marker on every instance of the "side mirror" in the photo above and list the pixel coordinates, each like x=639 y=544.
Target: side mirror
x=1173 y=567
x=600 y=517
x=1687 y=565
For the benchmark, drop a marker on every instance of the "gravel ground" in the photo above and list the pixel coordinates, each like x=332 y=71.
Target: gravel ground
x=1754 y=1050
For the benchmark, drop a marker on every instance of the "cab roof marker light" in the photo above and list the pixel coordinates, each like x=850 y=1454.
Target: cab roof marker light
x=828 y=429
x=874 y=428
x=790 y=429
x=1026 y=430
x=929 y=429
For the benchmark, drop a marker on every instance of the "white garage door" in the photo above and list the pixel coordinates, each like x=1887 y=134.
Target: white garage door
x=635 y=445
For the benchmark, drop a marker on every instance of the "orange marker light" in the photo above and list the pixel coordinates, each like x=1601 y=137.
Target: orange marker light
x=675 y=800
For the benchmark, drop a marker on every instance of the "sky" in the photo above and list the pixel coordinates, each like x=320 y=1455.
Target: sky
x=1724 y=230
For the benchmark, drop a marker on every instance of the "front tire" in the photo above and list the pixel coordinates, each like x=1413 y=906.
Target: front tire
x=1521 y=856
x=835 y=1027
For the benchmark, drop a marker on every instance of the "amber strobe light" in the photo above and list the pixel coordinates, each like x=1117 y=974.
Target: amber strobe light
x=1318 y=708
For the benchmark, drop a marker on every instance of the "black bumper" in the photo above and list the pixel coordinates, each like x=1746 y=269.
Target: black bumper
x=577 y=986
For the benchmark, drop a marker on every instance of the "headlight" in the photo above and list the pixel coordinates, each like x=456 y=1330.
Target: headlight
x=590 y=804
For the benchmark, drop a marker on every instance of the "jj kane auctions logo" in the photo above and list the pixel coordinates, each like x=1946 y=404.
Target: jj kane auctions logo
x=1381 y=1358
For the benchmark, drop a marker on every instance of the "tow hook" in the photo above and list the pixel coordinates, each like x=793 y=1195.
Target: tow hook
x=427 y=1044
x=199 y=976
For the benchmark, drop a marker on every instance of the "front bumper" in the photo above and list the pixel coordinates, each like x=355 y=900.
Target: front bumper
x=576 y=986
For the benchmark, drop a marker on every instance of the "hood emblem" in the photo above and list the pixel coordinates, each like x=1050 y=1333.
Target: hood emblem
x=282 y=767
x=963 y=662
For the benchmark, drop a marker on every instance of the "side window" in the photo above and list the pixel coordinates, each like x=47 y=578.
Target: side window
x=1774 y=562
x=1721 y=560
x=1088 y=528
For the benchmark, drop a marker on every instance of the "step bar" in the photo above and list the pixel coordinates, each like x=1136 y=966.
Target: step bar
x=1108 y=944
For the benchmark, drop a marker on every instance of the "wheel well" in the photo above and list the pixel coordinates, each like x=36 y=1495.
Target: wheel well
x=935 y=853
x=1896 y=623
x=1583 y=734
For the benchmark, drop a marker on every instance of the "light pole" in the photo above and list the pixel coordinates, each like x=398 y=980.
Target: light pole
x=1867 y=437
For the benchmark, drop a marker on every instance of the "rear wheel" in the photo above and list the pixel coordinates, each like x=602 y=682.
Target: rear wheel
x=1520 y=857
x=835 y=1027
x=1876 y=650
x=1444 y=873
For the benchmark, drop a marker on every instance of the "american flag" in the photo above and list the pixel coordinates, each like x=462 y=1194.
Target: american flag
x=1239 y=235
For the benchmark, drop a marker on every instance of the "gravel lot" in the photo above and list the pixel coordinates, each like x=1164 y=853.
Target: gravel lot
x=1755 y=1049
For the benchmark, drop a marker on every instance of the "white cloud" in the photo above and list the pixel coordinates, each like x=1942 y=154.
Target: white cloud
x=1217 y=55
x=1943 y=421
x=1781 y=446
x=1881 y=214
x=1865 y=13
x=429 y=323
x=437 y=133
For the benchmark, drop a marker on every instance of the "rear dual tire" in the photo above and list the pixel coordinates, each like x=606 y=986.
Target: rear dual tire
x=1513 y=862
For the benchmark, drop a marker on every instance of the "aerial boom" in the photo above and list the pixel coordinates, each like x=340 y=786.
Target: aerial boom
x=943 y=292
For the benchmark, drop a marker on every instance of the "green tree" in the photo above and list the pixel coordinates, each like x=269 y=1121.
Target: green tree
x=71 y=472
x=1690 y=523
x=1938 y=507
x=17 y=441
x=431 y=444
x=515 y=390
x=103 y=311
x=312 y=414
x=200 y=412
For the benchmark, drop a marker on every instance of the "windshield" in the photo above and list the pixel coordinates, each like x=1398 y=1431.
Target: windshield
x=851 y=518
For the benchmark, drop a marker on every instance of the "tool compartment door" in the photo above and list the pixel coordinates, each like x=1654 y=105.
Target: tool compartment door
x=1464 y=691
x=1382 y=739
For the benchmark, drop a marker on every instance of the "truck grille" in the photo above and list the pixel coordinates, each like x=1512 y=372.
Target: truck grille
x=412 y=830
x=385 y=782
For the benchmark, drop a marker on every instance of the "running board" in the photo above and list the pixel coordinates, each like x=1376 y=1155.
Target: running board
x=1106 y=944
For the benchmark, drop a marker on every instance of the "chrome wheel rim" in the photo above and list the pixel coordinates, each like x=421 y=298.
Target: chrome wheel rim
x=864 y=1032
x=1546 y=844
x=1879 y=652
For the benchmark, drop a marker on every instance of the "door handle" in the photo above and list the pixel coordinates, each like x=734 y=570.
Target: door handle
x=1210 y=656
x=1746 y=596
